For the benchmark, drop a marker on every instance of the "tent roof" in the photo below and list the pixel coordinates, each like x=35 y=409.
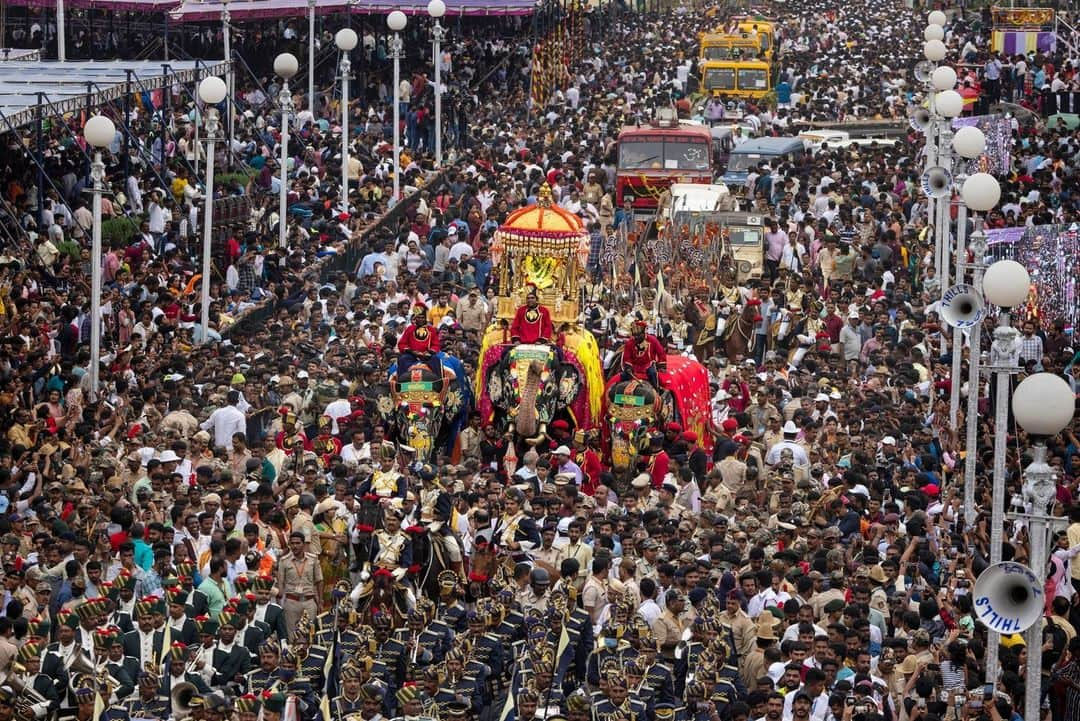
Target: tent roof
x=261 y=9
x=20 y=54
x=114 y=5
x=72 y=86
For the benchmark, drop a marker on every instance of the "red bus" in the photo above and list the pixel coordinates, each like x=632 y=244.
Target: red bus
x=652 y=157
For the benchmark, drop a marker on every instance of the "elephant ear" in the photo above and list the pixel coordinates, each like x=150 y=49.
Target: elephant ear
x=496 y=387
x=454 y=401
x=385 y=406
x=569 y=384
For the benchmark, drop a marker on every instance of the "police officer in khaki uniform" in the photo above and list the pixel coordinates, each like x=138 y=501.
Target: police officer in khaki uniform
x=300 y=582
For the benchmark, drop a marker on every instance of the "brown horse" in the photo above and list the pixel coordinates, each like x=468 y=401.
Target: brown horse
x=739 y=335
x=488 y=569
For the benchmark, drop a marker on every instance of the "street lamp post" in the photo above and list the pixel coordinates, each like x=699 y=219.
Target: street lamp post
x=212 y=90
x=230 y=111
x=1043 y=404
x=396 y=22
x=285 y=66
x=1006 y=286
x=346 y=41
x=949 y=104
x=968 y=143
x=311 y=58
x=436 y=9
x=99 y=133
x=980 y=196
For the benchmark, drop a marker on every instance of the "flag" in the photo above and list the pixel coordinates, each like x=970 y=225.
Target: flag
x=659 y=292
x=290 y=713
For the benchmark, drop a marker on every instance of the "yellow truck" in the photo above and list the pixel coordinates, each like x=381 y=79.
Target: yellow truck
x=736 y=79
x=728 y=46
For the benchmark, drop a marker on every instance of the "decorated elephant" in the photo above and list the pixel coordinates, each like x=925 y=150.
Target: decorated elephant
x=529 y=383
x=428 y=407
x=634 y=410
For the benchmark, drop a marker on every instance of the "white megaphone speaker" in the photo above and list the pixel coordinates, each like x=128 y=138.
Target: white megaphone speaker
x=919 y=119
x=937 y=182
x=924 y=71
x=962 y=306
x=1008 y=598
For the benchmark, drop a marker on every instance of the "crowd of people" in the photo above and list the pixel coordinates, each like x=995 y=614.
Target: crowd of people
x=228 y=527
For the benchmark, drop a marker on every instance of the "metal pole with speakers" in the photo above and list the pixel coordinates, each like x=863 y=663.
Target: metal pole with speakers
x=1006 y=286
x=1043 y=404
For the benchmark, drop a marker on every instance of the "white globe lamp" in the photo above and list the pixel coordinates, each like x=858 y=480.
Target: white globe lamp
x=969 y=142
x=286 y=65
x=346 y=39
x=1043 y=404
x=99 y=131
x=396 y=21
x=1006 y=283
x=949 y=103
x=212 y=90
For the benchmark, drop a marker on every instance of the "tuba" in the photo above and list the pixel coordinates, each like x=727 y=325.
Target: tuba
x=26 y=695
x=181 y=696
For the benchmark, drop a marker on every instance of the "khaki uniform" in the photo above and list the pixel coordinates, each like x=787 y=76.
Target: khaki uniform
x=297 y=579
x=668 y=631
x=820 y=600
x=550 y=556
x=303 y=523
x=743 y=629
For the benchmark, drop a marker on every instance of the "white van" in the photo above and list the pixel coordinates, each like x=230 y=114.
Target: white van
x=814 y=139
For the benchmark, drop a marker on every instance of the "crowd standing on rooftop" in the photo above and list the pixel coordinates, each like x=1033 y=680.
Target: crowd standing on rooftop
x=197 y=528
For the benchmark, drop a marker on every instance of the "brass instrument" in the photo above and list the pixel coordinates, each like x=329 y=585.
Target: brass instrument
x=26 y=695
x=181 y=696
x=196 y=657
x=80 y=665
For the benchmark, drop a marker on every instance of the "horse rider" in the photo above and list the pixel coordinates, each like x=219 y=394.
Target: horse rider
x=436 y=511
x=389 y=556
x=515 y=532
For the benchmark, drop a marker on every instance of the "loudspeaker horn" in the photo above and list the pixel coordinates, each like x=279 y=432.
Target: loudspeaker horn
x=924 y=70
x=1008 y=598
x=937 y=182
x=919 y=119
x=962 y=306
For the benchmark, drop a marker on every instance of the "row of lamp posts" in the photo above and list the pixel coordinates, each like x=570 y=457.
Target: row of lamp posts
x=100 y=132
x=1043 y=403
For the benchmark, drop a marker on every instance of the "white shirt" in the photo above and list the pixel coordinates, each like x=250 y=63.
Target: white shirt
x=650 y=611
x=225 y=421
x=351 y=455
x=146 y=647
x=341 y=408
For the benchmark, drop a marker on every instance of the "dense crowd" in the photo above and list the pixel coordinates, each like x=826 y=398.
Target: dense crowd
x=231 y=529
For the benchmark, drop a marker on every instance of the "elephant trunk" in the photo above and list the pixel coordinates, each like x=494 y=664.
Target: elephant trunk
x=527 y=421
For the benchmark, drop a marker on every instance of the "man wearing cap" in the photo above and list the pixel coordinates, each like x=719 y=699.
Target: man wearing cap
x=561 y=459
x=644 y=356
x=144 y=642
x=418 y=343
x=148 y=702
x=32 y=678
x=798 y=452
x=386 y=482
